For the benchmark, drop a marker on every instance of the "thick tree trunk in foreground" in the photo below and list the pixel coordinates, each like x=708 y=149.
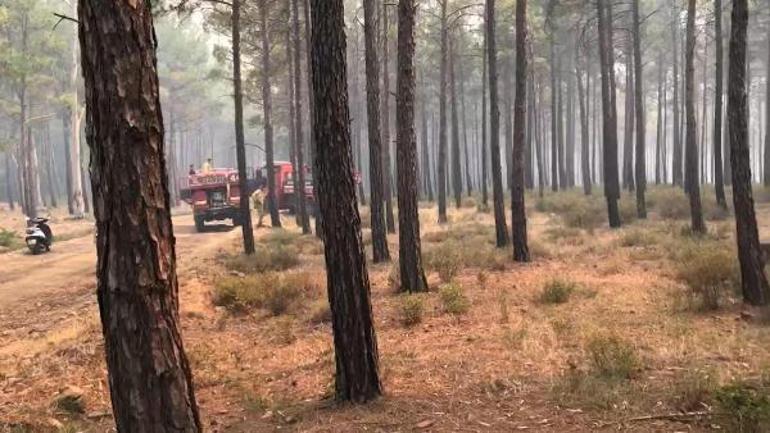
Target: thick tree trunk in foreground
x=691 y=177
x=519 y=217
x=355 y=343
x=299 y=182
x=150 y=380
x=501 y=228
x=267 y=110
x=379 y=234
x=410 y=252
x=240 y=141
x=753 y=280
x=640 y=167
x=609 y=113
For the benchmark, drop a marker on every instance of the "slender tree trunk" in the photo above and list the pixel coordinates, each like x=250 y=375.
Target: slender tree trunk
x=426 y=156
x=484 y=122
x=753 y=280
x=410 y=252
x=379 y=235
x=355 y=343
x=519 y=217
x=311 y=113
x=457 y=175
x=508 y=115
x=555 y=113
x=629 y=122
x=641 y=123
x=442 y=140
x=385 y=112
x=497 y=178
x=267 y=111
x=585 y=163
x=609 y=112
x=464 y=120
x=9 y=180
x=149 y=375
x=659 y=123
x=693 y=186
x=292 y=120
x=539 y=152
x=300 y=134
x=677 y=158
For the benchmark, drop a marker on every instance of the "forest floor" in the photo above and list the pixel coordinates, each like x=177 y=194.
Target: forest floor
x=599 y=333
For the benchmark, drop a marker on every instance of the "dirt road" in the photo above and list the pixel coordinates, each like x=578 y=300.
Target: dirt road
x=69 y=267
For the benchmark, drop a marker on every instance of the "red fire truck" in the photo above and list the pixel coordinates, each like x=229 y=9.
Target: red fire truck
x=213 y=196
x=285 y=191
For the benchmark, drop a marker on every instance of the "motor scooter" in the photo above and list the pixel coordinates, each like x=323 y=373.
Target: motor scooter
x=39 y=235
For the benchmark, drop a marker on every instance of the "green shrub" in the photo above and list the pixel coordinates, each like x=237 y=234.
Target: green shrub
x=584 y=215
x=670 y=203
x=273 y=258
x=9 y=239
x=627 y=209
x=557 y=291
x=746 y=407
x=454 y=300
x=411 y=310
x=694 y=390
x=638 y=238
x=612 y=357
x=710 y=271
x=444 y=259
x=274 y=292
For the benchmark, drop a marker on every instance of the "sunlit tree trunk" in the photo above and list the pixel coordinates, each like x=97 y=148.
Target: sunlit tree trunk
x=149 y=375
x=753 y=279
x=355 y=343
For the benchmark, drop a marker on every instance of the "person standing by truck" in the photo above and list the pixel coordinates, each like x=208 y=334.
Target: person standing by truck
x=258 y=203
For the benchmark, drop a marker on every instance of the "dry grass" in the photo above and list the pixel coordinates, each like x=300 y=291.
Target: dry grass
x=609 y=354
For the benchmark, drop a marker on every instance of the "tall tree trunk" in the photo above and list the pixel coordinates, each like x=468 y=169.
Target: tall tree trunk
x=519 y=211
x=73 y=160
x=629 y=122
x=292 y=120
x=300 y=134
x=569 y=159
x=693 y=186
x=508 y=115
x=641 y=124
x=50 y=166
x=464 y=120
x=442 y=135
x=484 y=122
x=9 y=180
x=753 y=279
x=609 y=113
x=677 y=157
x=501 y=228
x=311 y=112
x=766 y=176
x=426 y=156
x=410 y=252
x=355 y=343
x=555 y=113
x=385 y=112
x=659 y=124
x=457 y=175
x=267 y=111
x=585 y=162
x=379 y=235
x=150 y=381
x=539 y=143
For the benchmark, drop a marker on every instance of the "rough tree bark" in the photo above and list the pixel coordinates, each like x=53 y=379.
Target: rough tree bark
x=519 y=217
x=609 y=113
x=501 y=229
x=641 y=124
x=379 y=234
x=693 y=184
x=149 y=375
x=410 y=252
x=355 y=343
x=753 y=279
